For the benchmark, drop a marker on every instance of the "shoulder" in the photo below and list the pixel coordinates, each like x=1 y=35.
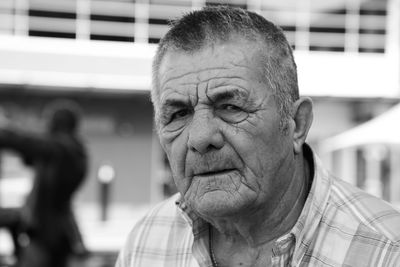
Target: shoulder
x=371 y=215
x=160 y=232
x=162 y=216
x=68 y=145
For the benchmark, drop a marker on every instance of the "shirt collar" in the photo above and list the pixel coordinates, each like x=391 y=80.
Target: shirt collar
x=196 y=222
x=314 y=206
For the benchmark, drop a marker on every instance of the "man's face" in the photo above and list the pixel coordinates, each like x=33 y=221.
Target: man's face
x=219 y=126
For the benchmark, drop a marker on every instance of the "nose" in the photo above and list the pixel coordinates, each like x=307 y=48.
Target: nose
x=204 y=132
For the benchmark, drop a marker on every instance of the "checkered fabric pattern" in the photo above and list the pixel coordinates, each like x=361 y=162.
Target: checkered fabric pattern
x=340 y=225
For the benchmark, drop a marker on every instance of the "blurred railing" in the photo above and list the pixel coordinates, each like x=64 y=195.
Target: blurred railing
x=341 y=25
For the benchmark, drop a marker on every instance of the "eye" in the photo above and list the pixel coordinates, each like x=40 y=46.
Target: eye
x=230 y=107
x=179 y=114
x=231 y=113
x=177 y=119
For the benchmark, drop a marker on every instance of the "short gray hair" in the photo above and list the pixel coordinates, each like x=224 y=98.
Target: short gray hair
x=210 y=25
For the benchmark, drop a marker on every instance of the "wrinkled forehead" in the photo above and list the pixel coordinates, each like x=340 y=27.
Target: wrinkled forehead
x=210 y=66
x=175 y=62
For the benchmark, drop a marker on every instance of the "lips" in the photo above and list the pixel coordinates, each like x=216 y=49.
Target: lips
x=211 y=164
x=214 y=173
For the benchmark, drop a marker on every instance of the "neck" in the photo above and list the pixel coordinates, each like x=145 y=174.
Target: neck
x=260 y=228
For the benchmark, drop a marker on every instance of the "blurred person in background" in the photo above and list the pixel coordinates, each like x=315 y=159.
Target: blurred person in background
x=251 y=190
x=46 y=226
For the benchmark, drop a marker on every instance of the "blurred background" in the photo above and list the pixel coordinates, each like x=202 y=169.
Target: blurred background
x=98 y=53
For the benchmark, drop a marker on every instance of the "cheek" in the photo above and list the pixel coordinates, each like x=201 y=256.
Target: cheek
x=260 y=147
x=176 y=151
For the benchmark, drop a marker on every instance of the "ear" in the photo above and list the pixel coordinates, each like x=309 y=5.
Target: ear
x=302 y=116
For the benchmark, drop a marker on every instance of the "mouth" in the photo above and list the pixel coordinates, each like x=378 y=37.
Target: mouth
x=215 y=173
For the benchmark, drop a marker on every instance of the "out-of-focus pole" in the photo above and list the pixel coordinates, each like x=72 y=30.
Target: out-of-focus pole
x=21 y=18
x=395 y=175
x=141 y=21
x=393 y=41
x=373 y=184
x=105 y=176
x=348 y=163
x=83 y=19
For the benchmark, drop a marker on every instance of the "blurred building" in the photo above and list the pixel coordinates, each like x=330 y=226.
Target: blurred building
x=98 y=52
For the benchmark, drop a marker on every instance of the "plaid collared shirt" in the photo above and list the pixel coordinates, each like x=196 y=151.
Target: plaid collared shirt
x=340 y=225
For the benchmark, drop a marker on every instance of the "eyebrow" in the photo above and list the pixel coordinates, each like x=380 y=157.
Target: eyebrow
x=171 y=104
x=174 y=103
x=229 y=95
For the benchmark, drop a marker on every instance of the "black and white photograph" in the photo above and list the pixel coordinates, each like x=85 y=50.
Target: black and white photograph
x=199 y=133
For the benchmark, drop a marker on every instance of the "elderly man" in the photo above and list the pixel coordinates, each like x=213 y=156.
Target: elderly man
x=251 y=191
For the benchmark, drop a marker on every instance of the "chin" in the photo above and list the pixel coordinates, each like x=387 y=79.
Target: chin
x=219 y=204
